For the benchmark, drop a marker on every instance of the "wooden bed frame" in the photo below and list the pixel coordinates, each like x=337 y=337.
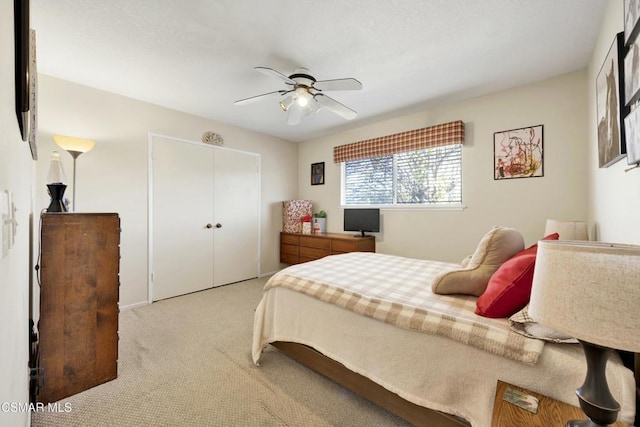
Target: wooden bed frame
x=415 y=414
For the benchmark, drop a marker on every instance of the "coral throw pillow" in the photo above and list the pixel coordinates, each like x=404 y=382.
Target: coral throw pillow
x=509 y=288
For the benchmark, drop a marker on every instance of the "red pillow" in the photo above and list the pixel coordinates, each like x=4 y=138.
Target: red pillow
x=509 y=288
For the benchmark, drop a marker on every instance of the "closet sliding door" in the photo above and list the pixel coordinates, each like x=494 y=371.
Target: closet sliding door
x=204 y=216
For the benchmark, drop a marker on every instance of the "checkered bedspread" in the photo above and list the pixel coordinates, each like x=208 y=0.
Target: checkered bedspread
x=397 y=290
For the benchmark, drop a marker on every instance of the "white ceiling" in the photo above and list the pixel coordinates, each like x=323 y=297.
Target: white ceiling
x=197 y=56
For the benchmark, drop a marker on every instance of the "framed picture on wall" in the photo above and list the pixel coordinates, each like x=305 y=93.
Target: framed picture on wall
x=21 y=48
x=632 y=73
x=518 y=153
x=632 y=129
x=631 y=18
x=317 y=173
x=610 y=107
x=33 y=97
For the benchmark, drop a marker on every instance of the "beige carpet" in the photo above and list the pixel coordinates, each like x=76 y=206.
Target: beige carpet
x=186 y=362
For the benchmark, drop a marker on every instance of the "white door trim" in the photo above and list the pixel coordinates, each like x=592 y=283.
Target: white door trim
x=151 y=137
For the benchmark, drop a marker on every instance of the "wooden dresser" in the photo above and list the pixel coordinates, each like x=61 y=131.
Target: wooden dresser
x=296 y=248
x=79 y=280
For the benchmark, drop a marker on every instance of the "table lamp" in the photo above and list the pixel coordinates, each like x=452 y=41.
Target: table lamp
x=75 y=147
x=56 y=184
x=591 y=291
x=567 y=229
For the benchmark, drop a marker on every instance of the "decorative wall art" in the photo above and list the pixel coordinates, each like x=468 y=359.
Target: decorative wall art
x=317 y=173
x=632 y=80
x=632 y=129
x=33 y=97
x=631 y=18
x=518 y=153
x=632 y=73
x=610 y=108
x=21 y=47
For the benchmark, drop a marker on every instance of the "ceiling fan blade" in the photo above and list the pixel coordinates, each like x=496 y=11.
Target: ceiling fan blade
x=333 y=105
x=273 y=73
x=259 y=97
x=338 y=84
x=294 y=114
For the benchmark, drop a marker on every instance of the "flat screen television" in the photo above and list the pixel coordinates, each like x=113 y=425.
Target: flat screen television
x=362 y=220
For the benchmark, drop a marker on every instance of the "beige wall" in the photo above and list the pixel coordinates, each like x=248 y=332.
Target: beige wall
x=558 y=103
x=16 y=168
x=113 y=176
x=614 y=200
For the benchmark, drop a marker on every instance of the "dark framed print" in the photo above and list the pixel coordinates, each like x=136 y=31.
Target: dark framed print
x=632 y=73
x=631 y=17
x=33 y=97
x=632 y=129
x=21 y=49
x=317 y=173
x=610 y=107
x=518 y=153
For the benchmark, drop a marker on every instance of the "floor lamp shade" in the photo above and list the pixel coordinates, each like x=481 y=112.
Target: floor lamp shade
x=75 y=147
x=590 y=291
x=567 y=229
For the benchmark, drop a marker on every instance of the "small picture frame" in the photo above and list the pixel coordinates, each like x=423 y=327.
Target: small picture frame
x=317 y=173
x=518 y=153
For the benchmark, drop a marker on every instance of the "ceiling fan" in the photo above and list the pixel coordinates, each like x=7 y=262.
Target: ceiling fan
x=304 y=94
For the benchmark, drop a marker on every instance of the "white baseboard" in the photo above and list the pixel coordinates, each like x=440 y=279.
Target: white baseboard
x=132 y=306
x=268 y=274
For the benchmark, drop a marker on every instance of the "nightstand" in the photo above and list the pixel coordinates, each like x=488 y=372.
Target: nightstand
x=551 y=413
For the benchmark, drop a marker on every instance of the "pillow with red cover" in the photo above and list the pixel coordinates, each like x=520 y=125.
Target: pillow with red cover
x=509 y=288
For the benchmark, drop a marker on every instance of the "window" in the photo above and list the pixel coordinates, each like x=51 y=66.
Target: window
x=426 y=177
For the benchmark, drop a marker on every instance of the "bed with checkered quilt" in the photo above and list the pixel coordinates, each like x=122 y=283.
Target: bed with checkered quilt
x=377 y=315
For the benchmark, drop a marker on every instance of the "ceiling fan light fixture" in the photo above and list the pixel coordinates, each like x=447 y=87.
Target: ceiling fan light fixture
x=302 y=97
x=286 y=103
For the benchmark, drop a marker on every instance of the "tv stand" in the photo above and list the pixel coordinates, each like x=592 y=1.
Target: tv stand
x=296 y=248
x=361 y=235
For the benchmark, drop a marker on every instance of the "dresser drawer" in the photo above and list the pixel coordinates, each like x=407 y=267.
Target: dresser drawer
x=315 y=242
x=289 y=239
x=288 y=249
x=289 y=258
x=340 y=246
x=313 y=253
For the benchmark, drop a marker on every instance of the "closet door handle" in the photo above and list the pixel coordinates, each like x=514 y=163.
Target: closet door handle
x=209 y=226
x=218 y=225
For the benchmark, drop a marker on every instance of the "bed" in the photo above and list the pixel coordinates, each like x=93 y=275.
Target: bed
x=373 y=323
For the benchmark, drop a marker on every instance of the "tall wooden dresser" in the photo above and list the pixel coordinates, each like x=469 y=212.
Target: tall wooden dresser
x=79 y=284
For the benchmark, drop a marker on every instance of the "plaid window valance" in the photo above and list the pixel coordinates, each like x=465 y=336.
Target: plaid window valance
x=432 y=136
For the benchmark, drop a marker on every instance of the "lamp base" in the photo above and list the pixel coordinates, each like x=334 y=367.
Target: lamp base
x=594 y=396
x=56 y=191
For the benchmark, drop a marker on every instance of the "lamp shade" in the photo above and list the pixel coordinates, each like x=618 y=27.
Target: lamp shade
x=56 y=172
x=73 y=144
x=590 y=291
x=567 y=229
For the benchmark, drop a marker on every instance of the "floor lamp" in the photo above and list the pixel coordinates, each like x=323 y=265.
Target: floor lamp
x=75 y=147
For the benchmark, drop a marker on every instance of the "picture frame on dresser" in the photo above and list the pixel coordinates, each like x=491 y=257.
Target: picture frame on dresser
x=611 y=109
